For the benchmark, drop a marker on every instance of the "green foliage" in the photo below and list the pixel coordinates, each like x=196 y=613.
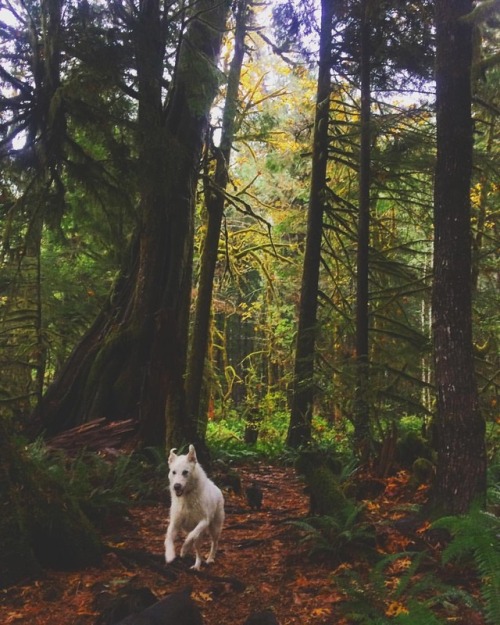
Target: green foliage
x=105 y=486
x=226 y=436
x=493 y=485
x=405 y=588
x=409 y=593
x=418 y=614
x=476 y=535
x=41 y=524
x=340 y=536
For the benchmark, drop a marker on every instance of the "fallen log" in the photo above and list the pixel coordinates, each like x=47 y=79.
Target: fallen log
x=96 y=435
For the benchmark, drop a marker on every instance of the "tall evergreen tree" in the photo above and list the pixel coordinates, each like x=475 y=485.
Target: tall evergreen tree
x=361 y=408
x=214 y=202
x=299 y=431
x=461 y=467
x=132 y=361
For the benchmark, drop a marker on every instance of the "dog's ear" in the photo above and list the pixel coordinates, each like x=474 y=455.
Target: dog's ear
x=192 y=454
x=172 y=456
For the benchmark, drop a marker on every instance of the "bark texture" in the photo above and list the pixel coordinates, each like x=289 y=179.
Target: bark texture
x=299 y=431
x=361 y=404
x=461 y=468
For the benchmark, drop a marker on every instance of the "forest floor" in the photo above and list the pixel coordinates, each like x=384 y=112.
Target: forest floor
x=261 y=564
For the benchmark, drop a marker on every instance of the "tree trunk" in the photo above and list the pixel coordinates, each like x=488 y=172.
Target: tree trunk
x=215 y=209
x=132 y=361
x=299 y=431
x=485 y=183
x=361 y=401
x=461 y=466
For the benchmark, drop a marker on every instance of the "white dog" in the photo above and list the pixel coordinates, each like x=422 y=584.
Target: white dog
x=197 y=507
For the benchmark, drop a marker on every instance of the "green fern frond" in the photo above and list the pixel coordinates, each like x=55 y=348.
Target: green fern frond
x=418 y=614
x=332 y=534
x=477 y=534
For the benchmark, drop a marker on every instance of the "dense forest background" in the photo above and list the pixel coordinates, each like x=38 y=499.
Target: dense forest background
x=207 y=236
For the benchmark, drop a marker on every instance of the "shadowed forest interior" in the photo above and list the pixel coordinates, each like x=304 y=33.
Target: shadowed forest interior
x=269 y=229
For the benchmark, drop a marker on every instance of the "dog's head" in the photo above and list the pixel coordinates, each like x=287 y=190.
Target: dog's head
x=181 y=470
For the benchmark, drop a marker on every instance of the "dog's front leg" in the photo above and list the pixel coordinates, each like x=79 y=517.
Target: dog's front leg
x=170 y=537
x=193 y=538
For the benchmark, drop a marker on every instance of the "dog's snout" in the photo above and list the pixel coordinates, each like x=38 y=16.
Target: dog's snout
x=178 y=488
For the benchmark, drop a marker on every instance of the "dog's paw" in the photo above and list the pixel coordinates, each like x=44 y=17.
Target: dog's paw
x=169 y=556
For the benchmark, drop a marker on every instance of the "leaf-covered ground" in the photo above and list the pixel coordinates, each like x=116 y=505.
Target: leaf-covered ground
x=261 y=564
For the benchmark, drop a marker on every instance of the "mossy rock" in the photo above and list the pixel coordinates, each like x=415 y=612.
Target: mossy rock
x=40 y=524
x=411 y=446
x=18 y=561
x=423 y=471
x=309 y=460
x=62 y=537
x=326 y=495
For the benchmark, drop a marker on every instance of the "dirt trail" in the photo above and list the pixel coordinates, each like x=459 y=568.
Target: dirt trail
x=258 y=565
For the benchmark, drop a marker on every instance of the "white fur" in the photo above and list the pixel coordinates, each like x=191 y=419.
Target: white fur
x=197 y=507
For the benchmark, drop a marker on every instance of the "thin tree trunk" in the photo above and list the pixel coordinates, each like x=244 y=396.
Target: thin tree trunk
x=461 y=466
x=361 y=400
x=215 y=209
x=299 y=431
x=483 y=204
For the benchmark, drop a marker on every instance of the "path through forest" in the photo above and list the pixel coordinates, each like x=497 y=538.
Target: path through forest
x=258 y=566
x=261 y=563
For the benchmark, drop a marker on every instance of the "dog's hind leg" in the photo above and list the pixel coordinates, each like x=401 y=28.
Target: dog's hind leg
x=197 y=563
x=214 y=531
x=213 y=550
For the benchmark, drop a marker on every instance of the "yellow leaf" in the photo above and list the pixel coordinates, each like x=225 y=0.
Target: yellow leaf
x=395 y=608
x=321 y=612
x=205 y=597
x=13 y=616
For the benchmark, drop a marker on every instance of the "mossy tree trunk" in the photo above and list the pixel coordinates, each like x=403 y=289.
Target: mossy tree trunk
x=131 y=363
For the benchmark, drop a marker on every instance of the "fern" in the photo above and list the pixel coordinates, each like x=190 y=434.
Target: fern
x=407 y=578
x=477 y=534
x=418 y=614
x=336 y=535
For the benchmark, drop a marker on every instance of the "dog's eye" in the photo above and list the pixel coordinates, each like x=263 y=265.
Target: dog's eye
x=185 y=473
x=174 y=472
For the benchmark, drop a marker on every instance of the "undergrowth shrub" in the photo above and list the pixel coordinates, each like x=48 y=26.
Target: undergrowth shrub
x=105 y=486
x=337 y=537
x=401 y=589
x=476 y=541
x=226 y=439
x=408 y=588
